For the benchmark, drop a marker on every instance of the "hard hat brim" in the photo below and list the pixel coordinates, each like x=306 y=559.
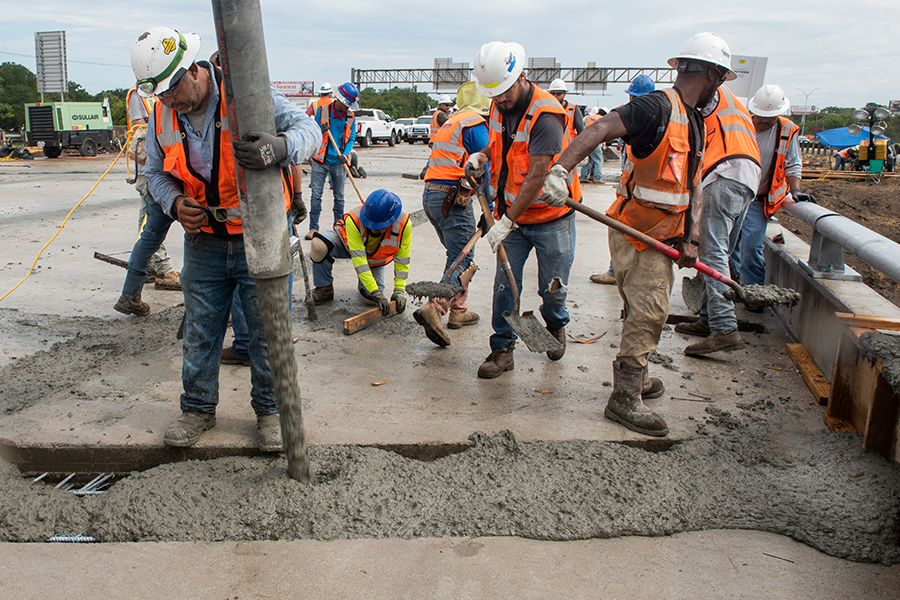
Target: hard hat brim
x=190 y=54
x=729 y=75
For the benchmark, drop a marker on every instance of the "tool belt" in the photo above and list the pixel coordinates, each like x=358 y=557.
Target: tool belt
x=457 y=195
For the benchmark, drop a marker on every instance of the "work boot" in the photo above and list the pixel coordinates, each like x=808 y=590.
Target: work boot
x=496 y=363
x=604 y=278
x=169 y=281
x=323 y=294
x=268 y=433
x=230 y=358
x=460 y=315
x=428 y=318
x=560 y=334
x=309 y=235
x=716 y=343
x=186 y=429
x=625 y=405
x=459 y=319
x=653 y=387
x=695 y=328
x=367 y=298
x=126 y=305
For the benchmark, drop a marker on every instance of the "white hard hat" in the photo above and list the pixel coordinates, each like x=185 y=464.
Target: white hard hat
x=595 y=110
x=498 y=66
x=707 y=47
x=557 y=85
x=325 y=88
x=769 y=101
x=445 y=99
x=158 y=55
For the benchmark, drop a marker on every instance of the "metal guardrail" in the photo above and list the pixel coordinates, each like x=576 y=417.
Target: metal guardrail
x=832 y=234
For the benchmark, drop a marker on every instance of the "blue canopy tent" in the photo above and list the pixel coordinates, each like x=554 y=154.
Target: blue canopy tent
x=840 y=138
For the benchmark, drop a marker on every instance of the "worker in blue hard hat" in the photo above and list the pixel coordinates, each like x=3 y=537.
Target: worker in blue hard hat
x=372 y=235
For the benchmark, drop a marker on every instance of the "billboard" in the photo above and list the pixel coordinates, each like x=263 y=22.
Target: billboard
x=751 y=74
x=294 y=88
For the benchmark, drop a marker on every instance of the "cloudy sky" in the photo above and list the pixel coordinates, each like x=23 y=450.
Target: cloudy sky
x=843 y=53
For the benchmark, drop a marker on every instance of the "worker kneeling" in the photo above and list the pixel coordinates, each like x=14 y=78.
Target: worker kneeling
x=372 y=235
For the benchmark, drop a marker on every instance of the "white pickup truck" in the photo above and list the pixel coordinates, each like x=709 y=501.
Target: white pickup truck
x=372 y=125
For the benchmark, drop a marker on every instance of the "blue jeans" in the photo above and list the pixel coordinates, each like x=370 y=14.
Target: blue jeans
x=749 y=256
x=322 y=270
x=213 y=269
x=554 y=245
x=594 y=167
x=725 y=203
x=159 y=262
x=454 y=230
x=155 y=230
x=319 y=172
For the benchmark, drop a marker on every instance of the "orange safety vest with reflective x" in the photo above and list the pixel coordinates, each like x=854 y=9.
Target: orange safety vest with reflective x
x=221 y=191
x=516 y=161
x=434 y=126
x=366 y=253
x=655 y=192
x=148 y=105
x=325 y=119
x=778 y=186
x=448 y=155
x=729 y=133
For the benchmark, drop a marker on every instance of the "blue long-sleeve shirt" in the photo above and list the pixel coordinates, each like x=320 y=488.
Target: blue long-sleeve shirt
x=336 y=124
x=301 y=133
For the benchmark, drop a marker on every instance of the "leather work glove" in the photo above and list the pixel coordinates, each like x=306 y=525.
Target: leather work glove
x=556 y=187
x=324 y=127
x=382 y=301
x=299 y=208
x=399 y=296
x=260 y=150
x=499 y=232
x=801 y=197
x=343 y=159
x=474 y=166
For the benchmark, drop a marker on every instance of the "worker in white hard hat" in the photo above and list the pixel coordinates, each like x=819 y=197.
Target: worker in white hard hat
x=778 y=139
x=191 y=173
x=324 y=99
x=574 y=119
x=731 y=170
x=527 y=133
x=659 y=195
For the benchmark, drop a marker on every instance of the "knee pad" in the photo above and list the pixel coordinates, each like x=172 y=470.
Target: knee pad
x=320 y=248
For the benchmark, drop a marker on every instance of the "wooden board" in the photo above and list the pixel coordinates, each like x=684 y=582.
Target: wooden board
x=868 y=322
x=811 y=373
x=363 y=320
x=838 y=425
x=828 y=174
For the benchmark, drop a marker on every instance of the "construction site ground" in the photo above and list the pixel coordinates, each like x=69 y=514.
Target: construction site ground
x=431 y=484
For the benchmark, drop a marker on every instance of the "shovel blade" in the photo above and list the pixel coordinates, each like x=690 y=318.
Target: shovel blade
x=692 y=292
x=530 y=331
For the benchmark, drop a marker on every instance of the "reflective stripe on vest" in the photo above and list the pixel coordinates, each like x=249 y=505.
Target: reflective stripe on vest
x=325 y=117
x=434 y=127
x=778 y=187
x=448 y=154
x=147 y=102
x=518 y=160
x=387 y=249
x=729 y=132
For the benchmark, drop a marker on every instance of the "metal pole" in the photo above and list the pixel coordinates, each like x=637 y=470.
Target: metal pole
x=242 y=51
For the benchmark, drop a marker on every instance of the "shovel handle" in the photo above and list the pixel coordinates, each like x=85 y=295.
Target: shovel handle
x=655 y=244
x=466 y=249
x=346 y=168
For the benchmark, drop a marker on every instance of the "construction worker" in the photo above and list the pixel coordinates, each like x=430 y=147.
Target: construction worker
x=149 y=261
x=447 y=200
x=191 y=170
x=372 y=235
x=527 y=132
x=574 y=120
x=640 y=86
x=847 y=155
x=779 y=149
x=660 y=195
x=338 y=123
x=592 y=171
x=731 y=170
x=438 y=118
x=324 y=99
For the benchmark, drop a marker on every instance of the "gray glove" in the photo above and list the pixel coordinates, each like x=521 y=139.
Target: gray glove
x=299 y=208
x=556 y=187
x=382 y=301
x=324 y=127
x=343 y=159
x=399 y=296
x=260 y=150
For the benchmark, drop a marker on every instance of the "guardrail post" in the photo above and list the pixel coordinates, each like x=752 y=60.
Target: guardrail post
x=826 y=260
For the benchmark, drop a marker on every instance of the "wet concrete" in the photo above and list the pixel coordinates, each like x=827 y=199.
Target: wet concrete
x=762 y=296
x=874 y=346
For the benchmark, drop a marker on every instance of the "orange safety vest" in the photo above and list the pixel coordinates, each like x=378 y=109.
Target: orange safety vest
x=845 y=153
x=778 y=186
x=324 y=116
x=570 y=121
x=172 y=139
x=655 y=192
x=323 y=101
x=390 y=243
x=729 y=132
x=448 y=155
x=517 y=160
x=591 y=119
x=434 y=126
x=148 y=105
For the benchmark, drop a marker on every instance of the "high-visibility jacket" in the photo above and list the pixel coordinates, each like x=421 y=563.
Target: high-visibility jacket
x=729 y=132
x=147 y=102
x=570 y=121
x=845 y=153
x=323 y=116
x=323 y=101
x=367 y=253
x=591 y=119
x=434 y=125
x=655 y=192
x=390 y=242
x=221 y=190
x=516 y=162
x=778 y=184
x=448 y=155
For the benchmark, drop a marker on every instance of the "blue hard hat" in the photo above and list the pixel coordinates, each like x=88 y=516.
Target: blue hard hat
x=640 y=85
x=349 y=95
x=380 y=209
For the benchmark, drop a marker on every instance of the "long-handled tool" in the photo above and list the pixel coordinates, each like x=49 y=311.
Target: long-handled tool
x=346 y=168
x=298 y=246
x=526 y=325
x=753 y=296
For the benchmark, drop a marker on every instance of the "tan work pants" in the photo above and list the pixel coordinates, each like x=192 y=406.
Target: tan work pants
x=645 y=282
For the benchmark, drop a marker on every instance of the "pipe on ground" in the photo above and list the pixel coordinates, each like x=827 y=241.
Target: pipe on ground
x=242 y=52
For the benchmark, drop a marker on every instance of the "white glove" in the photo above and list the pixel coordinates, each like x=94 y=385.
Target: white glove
x=475 y=165
x=499 y=231
x=556 y=187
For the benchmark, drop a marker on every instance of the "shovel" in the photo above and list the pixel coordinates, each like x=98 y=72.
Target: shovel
x=755 y=296
x=346 y=168
x=444 y=289
x=526 y=325
x=309 y=301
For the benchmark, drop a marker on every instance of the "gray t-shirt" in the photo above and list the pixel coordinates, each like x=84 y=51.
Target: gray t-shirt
x=136 y=109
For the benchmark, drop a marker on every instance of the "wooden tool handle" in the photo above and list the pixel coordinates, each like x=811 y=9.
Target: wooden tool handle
x=501 y=251
x=346 y=168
